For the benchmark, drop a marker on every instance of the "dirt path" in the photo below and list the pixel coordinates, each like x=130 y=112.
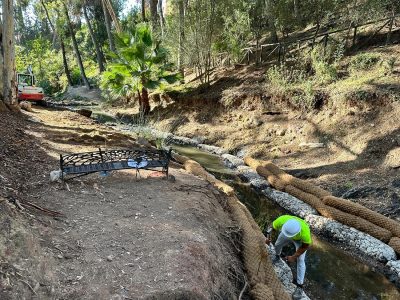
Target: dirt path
x=120 y=237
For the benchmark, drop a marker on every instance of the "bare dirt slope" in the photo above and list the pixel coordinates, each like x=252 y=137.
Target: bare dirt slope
x=360 y=133
x=119 y=237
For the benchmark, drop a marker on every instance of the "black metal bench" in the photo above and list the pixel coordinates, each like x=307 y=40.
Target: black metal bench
x=81 y=164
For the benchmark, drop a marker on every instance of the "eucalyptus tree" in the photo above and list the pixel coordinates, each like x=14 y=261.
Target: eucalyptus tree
x=97 y=47
x=58 y=33
x=75 y=44
x=9 y=87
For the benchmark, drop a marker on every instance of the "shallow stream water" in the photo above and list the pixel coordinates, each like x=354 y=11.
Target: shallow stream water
x=331 y=272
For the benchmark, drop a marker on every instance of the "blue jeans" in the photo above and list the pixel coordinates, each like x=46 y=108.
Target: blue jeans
x=281 y=241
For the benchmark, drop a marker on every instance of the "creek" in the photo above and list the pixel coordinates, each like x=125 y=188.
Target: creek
x=331 y=272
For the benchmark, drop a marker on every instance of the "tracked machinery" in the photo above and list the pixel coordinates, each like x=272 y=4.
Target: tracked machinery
x=27 y=90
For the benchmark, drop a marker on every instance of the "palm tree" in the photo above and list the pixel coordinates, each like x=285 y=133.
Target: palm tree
x=138 y=65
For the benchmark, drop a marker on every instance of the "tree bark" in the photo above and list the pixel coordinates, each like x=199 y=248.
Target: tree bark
x=1 y=66
x=65 y=63
x=153 y=12
x=99 y=53
x=271 y=21
x=50 y=23
x=296 y=9
x=161 y=13
x=75 y=46
x=144 y=102
x=8 y=47
x=143 y=6
x=20 y=21
x=181 y=9
x=107 y=19
x=64 y=56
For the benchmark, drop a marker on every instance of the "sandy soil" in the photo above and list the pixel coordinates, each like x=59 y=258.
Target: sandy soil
x=119 y=237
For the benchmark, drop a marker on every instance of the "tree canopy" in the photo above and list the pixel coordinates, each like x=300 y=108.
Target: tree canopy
x=66 y=41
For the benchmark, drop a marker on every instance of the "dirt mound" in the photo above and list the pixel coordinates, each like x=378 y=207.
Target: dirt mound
x=81 y=92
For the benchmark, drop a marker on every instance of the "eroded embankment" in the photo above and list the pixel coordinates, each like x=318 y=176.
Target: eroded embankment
x=371 y=248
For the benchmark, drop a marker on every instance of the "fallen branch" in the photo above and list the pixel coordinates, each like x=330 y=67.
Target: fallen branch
x=45 y=210
x=30 y=287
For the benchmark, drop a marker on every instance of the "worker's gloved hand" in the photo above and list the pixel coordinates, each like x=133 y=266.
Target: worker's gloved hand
x=290 y=259
x=268 y=241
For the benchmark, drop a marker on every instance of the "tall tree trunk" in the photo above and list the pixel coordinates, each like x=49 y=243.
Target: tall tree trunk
x=144 y=102
x=65 y=63
x=162 y=20
x=99 y=53
x=8 y=46
x=181 y=9
x=19 y=18
x=50 y=22
x=113 y=15
x=64 y=56
x=296 y=9
x=143 y=6
x=2 y=105
x=107 y=19
x=271 y=21
x=76 y=49
x=153 y=12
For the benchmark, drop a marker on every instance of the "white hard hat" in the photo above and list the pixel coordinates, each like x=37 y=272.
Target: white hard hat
x=291 y=228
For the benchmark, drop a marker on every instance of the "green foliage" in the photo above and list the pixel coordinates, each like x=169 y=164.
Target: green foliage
x=278 y=79
x=388 y=65
x=325 y=72
x=46 y=64
x=235 y=35
x=305 y=97
x=140 y=62
x=364 y=61
x=293 y=86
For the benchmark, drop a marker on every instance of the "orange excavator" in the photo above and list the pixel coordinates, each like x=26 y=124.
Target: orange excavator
x=27 y=90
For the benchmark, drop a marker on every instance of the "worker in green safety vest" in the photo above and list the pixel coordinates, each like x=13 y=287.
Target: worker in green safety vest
x=293 y=230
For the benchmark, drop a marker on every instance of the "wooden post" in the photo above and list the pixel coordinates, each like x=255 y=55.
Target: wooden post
x=279 y=53
x=325 y=42
x=354 y=36
x=390 y=30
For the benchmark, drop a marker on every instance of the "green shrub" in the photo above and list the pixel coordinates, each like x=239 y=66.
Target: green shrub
x=364 y=61
x=278 y=79
x=304 y=98
x=388 y=65
x=76 y=76
x=325 y=71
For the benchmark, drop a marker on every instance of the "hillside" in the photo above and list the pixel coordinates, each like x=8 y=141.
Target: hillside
x=348 y=140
